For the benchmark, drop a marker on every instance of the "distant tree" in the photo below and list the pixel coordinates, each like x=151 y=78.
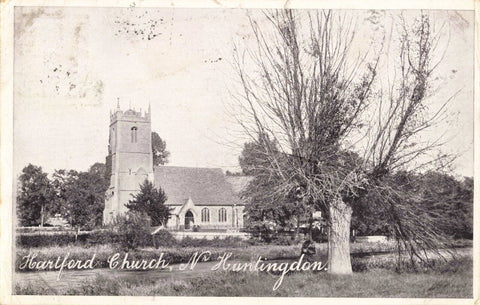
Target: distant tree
x=61 y=180
x=369 y=220
x=78 y=196
x=448 y=201
x=151 y=201
x=101 y=170
x=35 y=198
x=254 y=157
x=265 y=208
x=451 y=198
x=97 y=168
x=85 y=199
x=159 y=150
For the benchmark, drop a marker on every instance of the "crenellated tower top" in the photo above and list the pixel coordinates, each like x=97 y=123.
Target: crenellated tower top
x=130 y=114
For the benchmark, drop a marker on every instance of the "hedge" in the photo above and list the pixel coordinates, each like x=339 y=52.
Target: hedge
x=161 y=239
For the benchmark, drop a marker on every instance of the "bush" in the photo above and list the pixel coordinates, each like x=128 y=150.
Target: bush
x=133 y=230
x=284 y=240
x=163 y=238
x=102 y=237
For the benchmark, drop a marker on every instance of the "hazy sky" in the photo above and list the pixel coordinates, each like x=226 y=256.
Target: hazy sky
x=71 y=65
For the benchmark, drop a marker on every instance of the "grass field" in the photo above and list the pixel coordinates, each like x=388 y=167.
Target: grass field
x=182 y=254
x=442 y=282
x=374 y=274
x=177 y=255
x=171 y=254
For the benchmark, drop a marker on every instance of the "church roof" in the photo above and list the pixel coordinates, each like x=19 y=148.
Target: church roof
x=205 y=186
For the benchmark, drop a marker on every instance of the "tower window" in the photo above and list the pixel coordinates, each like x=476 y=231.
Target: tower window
x=134 y=134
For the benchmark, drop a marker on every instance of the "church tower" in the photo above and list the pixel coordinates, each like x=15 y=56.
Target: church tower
x=129 y=158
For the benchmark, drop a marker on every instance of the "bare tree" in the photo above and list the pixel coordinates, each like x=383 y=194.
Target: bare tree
x=339 y=136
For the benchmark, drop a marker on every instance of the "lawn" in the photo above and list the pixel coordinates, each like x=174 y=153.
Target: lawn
x=182 y=254
x=375 y=274
x=445 y=281
x=171 y=254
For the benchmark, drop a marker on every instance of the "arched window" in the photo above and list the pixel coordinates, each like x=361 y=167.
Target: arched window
x=205 y=215
x=222 y=215
x=134 y=134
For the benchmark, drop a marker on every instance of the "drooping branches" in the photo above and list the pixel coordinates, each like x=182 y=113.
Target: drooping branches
x=336 y=131
x=403 y=113
x=306 y=93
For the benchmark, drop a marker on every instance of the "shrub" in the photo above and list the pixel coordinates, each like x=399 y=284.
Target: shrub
x=102 y=237
x=163 y=238
x=283 y=240
x=133 y=230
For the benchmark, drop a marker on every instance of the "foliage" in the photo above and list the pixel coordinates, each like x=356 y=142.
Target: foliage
x=111 y=236
x=266 y=209
x=35 y=199
x=163 y=238
x=108 y=168
x=133 y=230
x=449 y=198
x=63 y=238
x=77 y=196
x=341 y=135
x=61 y=181
x=151 y=201
x=84 y=197
x=254 y=157
x=42 y=240
x=159 y=150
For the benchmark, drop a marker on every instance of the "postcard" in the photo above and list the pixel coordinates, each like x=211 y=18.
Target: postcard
x=231 y=149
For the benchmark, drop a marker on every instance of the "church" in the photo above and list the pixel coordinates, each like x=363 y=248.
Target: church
x=203 y=199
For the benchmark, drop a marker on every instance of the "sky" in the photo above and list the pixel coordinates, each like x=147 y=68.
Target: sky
x=72 y=64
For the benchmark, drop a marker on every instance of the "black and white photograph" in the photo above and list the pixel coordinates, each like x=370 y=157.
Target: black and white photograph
x=235 y=151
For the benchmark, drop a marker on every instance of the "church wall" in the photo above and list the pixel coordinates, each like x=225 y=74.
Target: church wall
x=214 y=222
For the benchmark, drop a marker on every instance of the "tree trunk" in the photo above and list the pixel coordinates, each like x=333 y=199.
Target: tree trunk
x=339 y=238
x=297 y=228
x=42 y=215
